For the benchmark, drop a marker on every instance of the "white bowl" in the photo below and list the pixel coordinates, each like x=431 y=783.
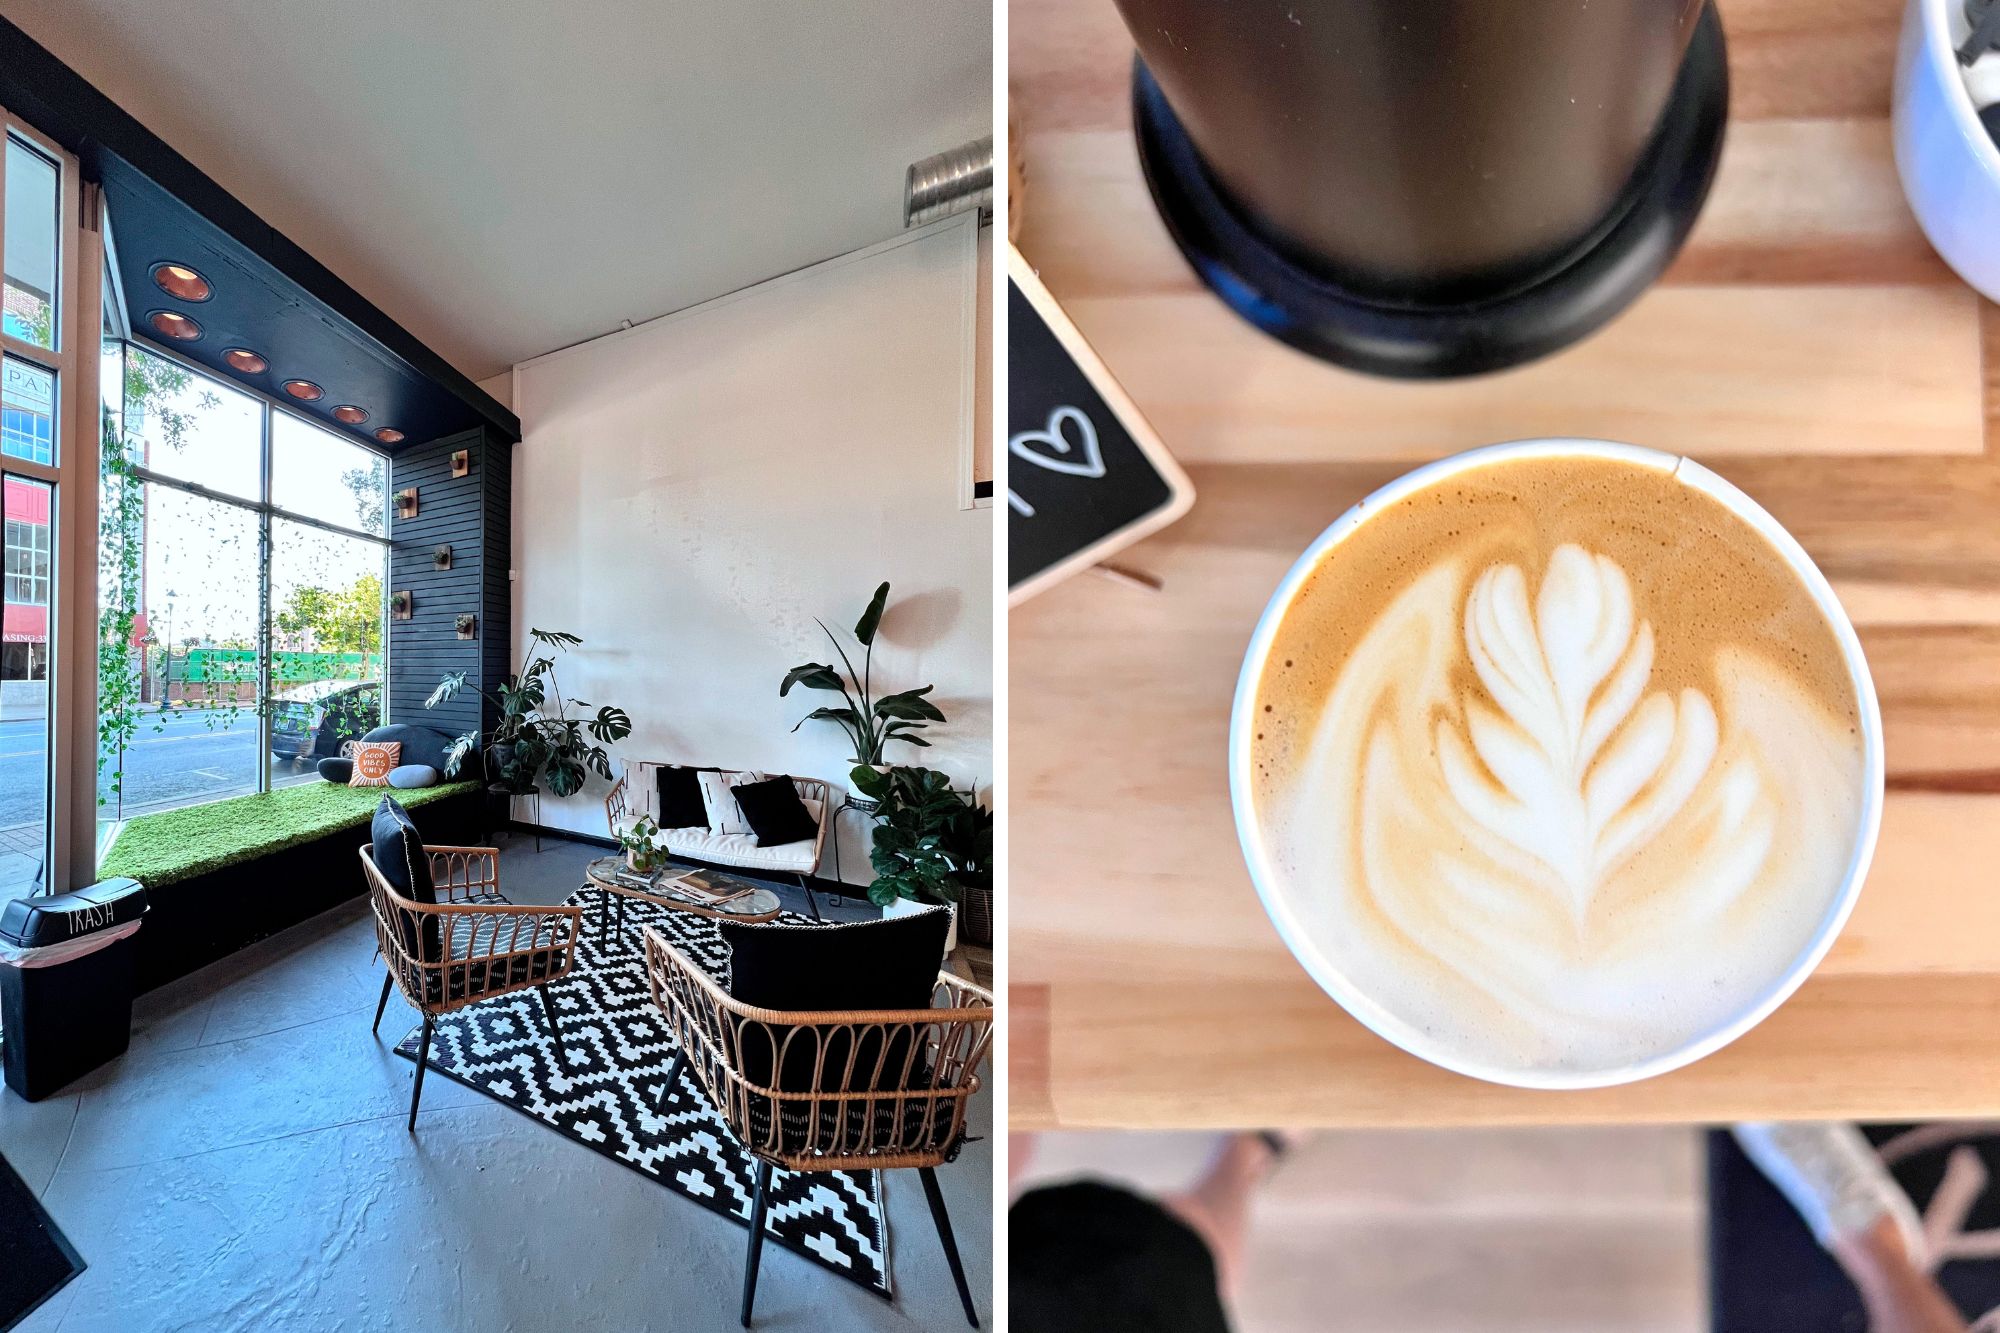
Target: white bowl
x=1272 y=888
x=1949 y=164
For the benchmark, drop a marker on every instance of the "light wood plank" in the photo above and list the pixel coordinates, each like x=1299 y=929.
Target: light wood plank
x=1197 y=1039
x=1831 y=59
x=1929 y=905
x=1798 y=201
x=1989 y=344
x=1815 y=370
x=1794 y=201
x=1871 y=602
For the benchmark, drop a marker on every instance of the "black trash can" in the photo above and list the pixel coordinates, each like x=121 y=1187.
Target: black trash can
x=66 y=983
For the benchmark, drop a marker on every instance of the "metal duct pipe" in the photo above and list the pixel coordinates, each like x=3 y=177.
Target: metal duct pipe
x=948 y=183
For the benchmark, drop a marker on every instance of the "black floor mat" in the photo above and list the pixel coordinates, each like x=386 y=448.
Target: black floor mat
x=35 y=1258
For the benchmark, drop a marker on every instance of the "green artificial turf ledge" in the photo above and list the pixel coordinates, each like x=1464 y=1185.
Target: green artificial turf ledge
x=173 y=845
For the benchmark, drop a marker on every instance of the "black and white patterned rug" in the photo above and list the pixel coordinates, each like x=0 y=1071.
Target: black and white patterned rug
x=607 y=1096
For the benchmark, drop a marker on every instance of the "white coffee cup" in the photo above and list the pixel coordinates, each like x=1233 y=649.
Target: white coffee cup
x=1949 y=164
x=1273 y=889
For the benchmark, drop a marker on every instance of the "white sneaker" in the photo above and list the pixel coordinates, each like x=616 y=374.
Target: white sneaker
x=1833 y=1177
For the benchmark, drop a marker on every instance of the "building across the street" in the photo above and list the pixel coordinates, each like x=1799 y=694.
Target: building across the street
x=27 y=431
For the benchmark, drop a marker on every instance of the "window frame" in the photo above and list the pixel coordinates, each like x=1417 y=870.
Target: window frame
x=266 y=511
x=71 y=775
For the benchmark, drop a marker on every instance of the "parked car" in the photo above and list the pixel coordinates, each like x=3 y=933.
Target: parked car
x=308 y=722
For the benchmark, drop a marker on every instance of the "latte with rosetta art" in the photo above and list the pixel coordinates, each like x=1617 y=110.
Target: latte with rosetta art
x=1560 y=762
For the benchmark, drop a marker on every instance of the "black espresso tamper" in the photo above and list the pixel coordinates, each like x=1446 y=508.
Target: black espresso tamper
x=1426 y=188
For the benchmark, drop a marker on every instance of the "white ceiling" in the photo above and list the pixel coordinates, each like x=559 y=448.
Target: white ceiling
x=505 y=177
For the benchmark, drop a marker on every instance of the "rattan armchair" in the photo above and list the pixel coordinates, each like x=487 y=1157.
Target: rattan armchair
x=880 y=1089
x=470 y=945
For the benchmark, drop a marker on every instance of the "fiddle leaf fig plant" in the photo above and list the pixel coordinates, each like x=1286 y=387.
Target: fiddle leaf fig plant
x=536 y=736
x=872 y=723
x=931 y=843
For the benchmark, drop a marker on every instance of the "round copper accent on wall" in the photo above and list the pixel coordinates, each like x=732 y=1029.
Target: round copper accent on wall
x=181 y=282
x=174 y=325
x=352 y=416
x=388 y=436
x=304 y=390
x=245 y=360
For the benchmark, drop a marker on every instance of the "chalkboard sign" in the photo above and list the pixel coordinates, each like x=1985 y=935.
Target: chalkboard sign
x=1085 y=473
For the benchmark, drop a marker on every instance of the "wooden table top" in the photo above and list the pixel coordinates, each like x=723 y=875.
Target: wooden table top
x=1808 y=345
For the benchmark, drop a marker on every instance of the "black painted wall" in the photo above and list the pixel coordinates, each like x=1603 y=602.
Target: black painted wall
x=471 y=515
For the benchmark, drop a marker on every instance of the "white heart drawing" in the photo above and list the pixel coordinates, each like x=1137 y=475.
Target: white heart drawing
x=1091 y=462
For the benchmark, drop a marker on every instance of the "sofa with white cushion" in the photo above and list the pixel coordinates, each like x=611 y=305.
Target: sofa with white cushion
x=637 y=793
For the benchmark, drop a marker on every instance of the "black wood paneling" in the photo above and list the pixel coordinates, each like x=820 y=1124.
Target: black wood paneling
x=496 y=591
x=470 y=514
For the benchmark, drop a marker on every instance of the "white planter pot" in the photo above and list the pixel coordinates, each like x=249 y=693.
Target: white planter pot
x=856 y=799
x=1950 y=167
x=906 y=907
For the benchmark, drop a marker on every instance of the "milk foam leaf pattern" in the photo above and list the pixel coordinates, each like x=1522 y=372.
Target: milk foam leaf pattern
x=1568 y=758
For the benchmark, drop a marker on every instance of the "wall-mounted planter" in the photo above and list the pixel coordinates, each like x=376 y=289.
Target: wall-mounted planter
x=401 y=605
x=468 y=626
x=406 y=503
x=441 y=558
x=461 y=462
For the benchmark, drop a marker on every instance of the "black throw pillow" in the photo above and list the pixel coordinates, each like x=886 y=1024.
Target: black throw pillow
x=775 y=813
x=400 y=856
x=888 y=964
x=336 y=770
x=680 y=796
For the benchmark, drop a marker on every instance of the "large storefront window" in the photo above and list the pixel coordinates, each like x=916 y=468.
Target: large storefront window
x=241 y=589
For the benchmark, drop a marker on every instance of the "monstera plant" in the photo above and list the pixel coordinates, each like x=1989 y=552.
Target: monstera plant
x=536 y=736
x=873 y=723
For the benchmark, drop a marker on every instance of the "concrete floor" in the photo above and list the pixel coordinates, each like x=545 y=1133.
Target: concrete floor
x=245 y=1166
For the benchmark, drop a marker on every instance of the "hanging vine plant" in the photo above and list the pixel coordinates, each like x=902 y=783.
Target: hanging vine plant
x=150 y=383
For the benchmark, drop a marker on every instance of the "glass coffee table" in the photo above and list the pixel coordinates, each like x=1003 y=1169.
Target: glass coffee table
x=698 y=892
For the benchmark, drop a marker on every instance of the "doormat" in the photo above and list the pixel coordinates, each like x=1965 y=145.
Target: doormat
x=36 y=1259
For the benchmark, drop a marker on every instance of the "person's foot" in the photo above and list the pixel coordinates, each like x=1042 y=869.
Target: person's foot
x=1838 y=1183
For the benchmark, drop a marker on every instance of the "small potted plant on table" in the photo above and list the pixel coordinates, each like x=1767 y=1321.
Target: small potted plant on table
x=644 y=852
x=932 y=845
